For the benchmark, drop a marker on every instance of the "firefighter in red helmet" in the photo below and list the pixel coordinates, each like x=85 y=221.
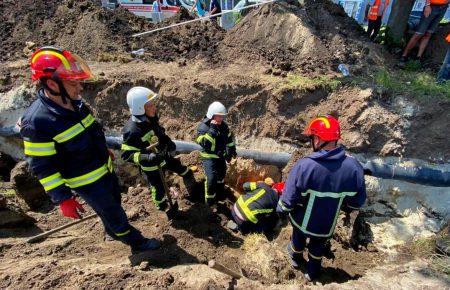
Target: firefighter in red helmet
x=66 y=146
x=317 y=188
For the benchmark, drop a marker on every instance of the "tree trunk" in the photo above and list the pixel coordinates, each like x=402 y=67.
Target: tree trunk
x=398 y=20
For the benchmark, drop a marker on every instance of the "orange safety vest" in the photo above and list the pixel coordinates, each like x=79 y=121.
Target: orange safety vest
x=448 y=38
x=373 y=12
x=438 y=2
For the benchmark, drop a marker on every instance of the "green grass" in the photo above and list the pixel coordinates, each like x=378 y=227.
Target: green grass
x=426 y=249
x=301 y=83
x=409 y=82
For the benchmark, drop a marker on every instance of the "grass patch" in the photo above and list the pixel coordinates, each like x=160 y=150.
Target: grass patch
x=425 y=248
x=412 y=83
x=301 y=83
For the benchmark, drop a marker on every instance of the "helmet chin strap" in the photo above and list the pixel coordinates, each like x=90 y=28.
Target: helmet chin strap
x=316 y=149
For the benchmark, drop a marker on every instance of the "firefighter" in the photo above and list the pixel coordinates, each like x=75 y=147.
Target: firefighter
x=317 y=188
x=66 y=146
x=143 y=129
x=255 y=211
x=218 y=147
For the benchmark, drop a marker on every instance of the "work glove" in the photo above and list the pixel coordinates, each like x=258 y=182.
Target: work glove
x=71 y=208
x=230 y=153
x=151 y=157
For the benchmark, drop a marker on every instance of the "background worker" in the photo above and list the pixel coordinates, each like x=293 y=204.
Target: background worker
x=433 y=12
x=374 y=14
x=317 y=187
x=444 y=72
x=141 y=131
x=218 y=147
x=66 y=146
x=255 y=210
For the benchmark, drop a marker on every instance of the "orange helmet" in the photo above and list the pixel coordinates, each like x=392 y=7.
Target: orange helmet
x=325 y=127
x=51 y=62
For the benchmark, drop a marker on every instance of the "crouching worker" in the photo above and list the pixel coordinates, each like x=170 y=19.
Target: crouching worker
x=218 y=147
x=66 y=146
x=317 y=188
x=255 y=210
x=140 y=135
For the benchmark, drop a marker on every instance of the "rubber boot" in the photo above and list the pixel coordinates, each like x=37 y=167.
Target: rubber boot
x=296 y=259
x=146 y=245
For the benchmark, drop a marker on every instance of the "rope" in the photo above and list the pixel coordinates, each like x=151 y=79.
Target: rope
x=201 y=18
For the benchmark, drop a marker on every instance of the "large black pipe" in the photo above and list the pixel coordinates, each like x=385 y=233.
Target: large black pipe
x=420 y=175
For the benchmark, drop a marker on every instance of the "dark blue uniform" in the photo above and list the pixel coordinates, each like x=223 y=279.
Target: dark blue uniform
x=317 y=188
x=67 y=151
x=136 y=138
x=254 y=212
x=218 y=146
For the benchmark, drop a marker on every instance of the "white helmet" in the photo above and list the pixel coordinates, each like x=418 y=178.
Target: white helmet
x=137 y=97
x=216 y=108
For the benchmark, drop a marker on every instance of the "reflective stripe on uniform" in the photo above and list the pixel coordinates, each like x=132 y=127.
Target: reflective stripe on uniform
x=252 y=185
x=75 y=130
x=230 y=144
x=312 y=196
x=251 y=214
x=52 y=181
x=39 y=148
x=148 y=136
x=126 y=147
x=122 y=234
x=155 y=201
x=136 y=157
x=209 y=138
x=281 y=204
x=294 y=250
x=153 y=168
x=314 y=257
x=208 y=155
x=185 y=172
x=207 y=195
x=90 y=177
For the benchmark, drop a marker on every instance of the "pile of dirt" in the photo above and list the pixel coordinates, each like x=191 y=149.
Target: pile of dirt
x=316 y=37
x=97 y=33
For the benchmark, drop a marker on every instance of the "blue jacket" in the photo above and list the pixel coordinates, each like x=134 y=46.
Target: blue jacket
x=318 y=186
x=65 y=149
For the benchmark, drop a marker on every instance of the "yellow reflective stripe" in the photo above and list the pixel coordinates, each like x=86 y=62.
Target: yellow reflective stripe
x=185 y=172
x=294 y=250
x=61 y=57
x=207 y=195
x=122 y=234
x=148 y=136
x=153 y=168
x=155 y=201
x=74 y=130
x=258 y=211
x=136 y=157
x=314 y=257
x=252 y=185
x=209 y=138
x=255 y=197
x=247 y=212
x=208 y=155
x=231 y=144
x=39 y=149
x=126 y=147
x=90 y=177
x=52 y=181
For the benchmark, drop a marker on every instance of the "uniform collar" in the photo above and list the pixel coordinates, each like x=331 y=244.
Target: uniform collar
x=54 y=107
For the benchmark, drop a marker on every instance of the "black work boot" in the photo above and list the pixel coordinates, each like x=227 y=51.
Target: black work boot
x=146 y=245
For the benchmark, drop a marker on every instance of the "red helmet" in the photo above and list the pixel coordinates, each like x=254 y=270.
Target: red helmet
x=279 y=186
x=52 y=62
x=325 y=127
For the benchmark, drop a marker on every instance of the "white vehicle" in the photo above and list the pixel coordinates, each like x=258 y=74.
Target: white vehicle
x=146 y=8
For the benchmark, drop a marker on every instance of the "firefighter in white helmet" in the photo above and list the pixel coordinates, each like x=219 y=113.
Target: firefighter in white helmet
x=218 y=147
x=143 y=130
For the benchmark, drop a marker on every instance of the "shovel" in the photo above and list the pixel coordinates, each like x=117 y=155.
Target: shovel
x=173 y=206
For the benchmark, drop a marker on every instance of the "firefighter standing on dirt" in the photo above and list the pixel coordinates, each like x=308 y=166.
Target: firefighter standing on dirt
x=141 y=131
x=66 y=146
x=218 y=147
x=255 y=211
x=317 y=188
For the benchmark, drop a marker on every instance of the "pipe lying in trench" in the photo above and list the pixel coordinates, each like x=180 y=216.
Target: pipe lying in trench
x=420 y=175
